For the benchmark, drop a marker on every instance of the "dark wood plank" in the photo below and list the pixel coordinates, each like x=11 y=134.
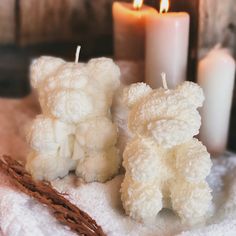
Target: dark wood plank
x=192 y=8
x=7 y=21
x=15 y=60
x=63 y=20
x=217 y=24
x=232 y=128
x=14 y=72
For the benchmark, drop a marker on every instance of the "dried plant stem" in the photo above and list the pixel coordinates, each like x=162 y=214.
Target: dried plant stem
x=64 y=211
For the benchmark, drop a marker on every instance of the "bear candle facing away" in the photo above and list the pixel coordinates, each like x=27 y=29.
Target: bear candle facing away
x=167 y=36
x=165 y=166
x=129 y=29
x=74 y=131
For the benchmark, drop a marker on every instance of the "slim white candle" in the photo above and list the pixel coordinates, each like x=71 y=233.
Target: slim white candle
x=166 y=47
x=216 y=73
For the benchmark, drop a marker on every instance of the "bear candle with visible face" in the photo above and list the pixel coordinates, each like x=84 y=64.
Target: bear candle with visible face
x=129 y=29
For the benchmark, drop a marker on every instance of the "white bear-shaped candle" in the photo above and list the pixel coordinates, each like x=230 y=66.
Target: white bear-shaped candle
x=165 y=166
x=74 y=131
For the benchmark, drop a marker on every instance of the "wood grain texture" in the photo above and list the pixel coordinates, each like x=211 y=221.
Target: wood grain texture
x=7 y=21
x=63 y=20
x=217 y=24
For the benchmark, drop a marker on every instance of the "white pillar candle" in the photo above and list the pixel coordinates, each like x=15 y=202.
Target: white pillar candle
x=167 y=36
x=129 y=29
x=216 y=73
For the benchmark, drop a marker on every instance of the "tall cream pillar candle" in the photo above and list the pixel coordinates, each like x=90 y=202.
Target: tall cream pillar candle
x=216 y=73
x=167 y=36
x=129 y=29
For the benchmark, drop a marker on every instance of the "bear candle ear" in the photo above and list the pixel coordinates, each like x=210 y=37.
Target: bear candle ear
x=193 y=92
x=135 y=92
x=106 y=72
x=42 y=67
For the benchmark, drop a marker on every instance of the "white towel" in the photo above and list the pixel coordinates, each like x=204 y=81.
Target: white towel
x=21 y=215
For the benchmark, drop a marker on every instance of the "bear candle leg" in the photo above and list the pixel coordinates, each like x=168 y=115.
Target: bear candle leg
x=100 y=160
x=142 y=201
x=99 y=166
x=196 y=206
x=51 y=148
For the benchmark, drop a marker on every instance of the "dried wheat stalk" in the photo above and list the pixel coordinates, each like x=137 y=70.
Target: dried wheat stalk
x=65 y=212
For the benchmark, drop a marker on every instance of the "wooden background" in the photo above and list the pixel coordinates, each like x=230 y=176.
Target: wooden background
x=29 y=28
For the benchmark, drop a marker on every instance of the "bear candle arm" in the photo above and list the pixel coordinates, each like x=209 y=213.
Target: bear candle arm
x=65 y=212
x=193 y=161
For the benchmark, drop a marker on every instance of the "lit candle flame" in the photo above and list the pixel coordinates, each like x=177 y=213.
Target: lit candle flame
x=164 y=6
x=137 y=4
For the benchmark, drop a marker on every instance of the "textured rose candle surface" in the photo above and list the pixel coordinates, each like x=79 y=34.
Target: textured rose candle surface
x=167 y=37
x=129 y=30
x=216 y=73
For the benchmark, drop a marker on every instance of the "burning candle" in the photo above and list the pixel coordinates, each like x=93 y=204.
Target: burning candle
x=129 y=29
x=216 y=73
x=167 y=36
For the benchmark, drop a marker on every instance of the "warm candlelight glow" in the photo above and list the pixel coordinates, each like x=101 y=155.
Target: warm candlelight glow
x=164 y=6
x=137 y=4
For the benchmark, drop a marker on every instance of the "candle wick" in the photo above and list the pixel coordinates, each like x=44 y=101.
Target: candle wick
x=164 y=82
x=77 y=54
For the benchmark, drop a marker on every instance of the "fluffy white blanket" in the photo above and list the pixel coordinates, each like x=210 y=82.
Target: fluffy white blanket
x=21 y=215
